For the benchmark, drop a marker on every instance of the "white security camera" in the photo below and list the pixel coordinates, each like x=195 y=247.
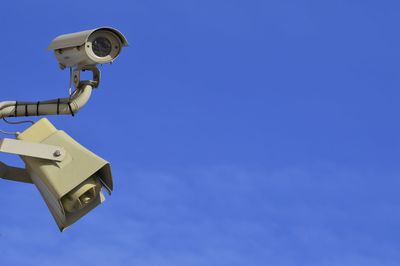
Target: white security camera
x=80 y=51
x=90 y=47
x=68 y=176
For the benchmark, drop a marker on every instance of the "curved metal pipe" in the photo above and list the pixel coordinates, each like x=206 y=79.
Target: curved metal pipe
x=62 y=106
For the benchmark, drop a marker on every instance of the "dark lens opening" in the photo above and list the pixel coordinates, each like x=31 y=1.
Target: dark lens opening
x=101 y=47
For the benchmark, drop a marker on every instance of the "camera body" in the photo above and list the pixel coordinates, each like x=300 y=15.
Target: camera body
x=72 y=187
x=90 y=47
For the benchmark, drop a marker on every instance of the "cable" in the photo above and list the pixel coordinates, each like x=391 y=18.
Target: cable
x=18 y=122
x=70 y=82
x=9 y=133
x=14 y=123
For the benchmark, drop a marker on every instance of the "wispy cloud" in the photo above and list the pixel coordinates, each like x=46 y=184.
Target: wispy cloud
x=221 y=216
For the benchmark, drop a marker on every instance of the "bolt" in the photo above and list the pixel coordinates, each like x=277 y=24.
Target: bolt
x=57 y=153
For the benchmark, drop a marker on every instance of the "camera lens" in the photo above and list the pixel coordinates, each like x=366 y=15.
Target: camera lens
x=101 y=47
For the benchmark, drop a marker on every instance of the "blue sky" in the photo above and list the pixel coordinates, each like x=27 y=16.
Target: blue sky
x=239 y=132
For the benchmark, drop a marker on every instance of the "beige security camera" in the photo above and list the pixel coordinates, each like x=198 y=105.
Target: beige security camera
x=70 y=178
x=90 y=47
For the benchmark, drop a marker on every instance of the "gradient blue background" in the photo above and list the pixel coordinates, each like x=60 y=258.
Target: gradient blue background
x=240 y=133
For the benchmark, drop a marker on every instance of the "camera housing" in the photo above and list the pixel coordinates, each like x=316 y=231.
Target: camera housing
x=90 y=47
x=73 y=186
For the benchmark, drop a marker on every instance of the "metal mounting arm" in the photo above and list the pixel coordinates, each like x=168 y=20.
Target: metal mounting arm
x=62 y=106
x=31 y=149
x=26 y=148
x=14 y=173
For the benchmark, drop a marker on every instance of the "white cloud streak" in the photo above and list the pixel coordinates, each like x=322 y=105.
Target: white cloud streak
x=222 y=216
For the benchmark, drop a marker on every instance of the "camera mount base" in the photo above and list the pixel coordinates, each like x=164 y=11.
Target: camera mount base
x=26 y=148
x=31 y=149
x=76 y=76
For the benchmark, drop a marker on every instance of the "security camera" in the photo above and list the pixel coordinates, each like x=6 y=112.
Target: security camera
x=81 y=51
x=71 y=182
x=90 y=47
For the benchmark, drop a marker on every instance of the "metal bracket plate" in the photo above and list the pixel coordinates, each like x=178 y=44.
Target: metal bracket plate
x=31 y=149
x=94 y=82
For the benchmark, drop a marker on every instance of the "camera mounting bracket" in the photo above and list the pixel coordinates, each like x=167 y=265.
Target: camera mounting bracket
x=31 y=149
x=26 y=148
x=76 y=76
x=14 y=173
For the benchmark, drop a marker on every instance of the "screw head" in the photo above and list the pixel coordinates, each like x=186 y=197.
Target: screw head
x=57 y=153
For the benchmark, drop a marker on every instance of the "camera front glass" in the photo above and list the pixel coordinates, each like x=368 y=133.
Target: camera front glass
x=101 y=47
